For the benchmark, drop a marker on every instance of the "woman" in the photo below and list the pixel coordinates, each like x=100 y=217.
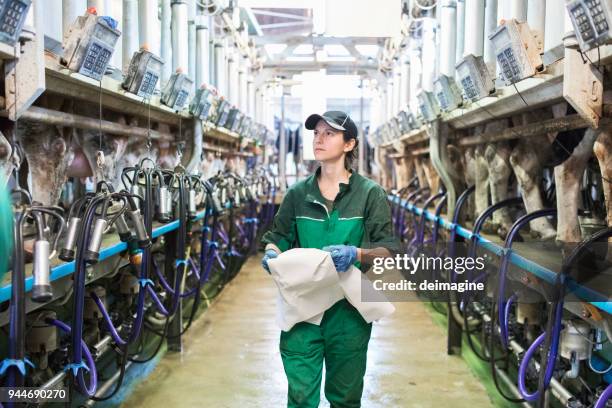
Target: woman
x=342 y=212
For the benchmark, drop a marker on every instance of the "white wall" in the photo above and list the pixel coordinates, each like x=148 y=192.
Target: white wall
x=314 y=94
x=116 y=12
x=52 y=23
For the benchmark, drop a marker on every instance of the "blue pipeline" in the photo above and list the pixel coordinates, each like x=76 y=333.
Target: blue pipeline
x=67 y=268
x=601 y=301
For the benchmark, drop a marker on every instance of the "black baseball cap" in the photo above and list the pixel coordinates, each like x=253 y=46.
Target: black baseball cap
x=336 y=119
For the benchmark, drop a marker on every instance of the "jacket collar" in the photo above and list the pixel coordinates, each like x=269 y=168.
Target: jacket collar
x=313 y=193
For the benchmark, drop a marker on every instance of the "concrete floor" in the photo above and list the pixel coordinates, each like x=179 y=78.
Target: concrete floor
x=231 y=358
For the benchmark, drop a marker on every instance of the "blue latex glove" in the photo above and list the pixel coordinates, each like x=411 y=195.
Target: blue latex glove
x=270 y=254
x=342 y=255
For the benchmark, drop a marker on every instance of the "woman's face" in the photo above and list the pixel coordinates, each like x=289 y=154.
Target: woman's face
x=328 y=143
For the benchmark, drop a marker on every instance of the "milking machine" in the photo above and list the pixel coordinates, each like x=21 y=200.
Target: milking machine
x=539 y=347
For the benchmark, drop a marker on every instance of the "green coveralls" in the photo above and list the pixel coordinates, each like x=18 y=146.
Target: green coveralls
x=6 y=228
x=361 y=217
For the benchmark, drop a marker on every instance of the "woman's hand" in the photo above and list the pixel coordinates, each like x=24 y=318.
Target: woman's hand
x=269 y=254
x=342 y=255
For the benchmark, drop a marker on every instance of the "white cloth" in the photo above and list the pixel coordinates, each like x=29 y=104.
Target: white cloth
x=308 y=284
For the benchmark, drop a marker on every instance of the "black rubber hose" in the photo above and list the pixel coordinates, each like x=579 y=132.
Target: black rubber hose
x=17 y=304
x=492 y=360
x=198 y=295
x=162 y=337
x=119 y=383
x=478 y=224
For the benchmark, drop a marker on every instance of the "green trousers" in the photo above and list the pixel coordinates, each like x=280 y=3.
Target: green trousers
x=342 y=342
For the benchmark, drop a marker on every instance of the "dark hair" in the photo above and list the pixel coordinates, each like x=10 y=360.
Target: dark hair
x=351 y=155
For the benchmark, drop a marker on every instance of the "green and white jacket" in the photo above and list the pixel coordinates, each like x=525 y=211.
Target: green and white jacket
x=361 y=216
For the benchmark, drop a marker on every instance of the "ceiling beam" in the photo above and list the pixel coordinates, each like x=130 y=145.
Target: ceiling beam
x=303 y=4
x=316 y=40
x=287 y=51
x=269 y=73
x=283 y=15
x=251 y=20
x=283 y=25
x=353 y=51
x=312 y=66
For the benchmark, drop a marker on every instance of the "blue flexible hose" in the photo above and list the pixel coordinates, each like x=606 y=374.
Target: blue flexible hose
x=604 y=397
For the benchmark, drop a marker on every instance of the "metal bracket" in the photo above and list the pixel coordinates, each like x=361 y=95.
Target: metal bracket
x=583 y=87
x=24 y=77
x=100 y=160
